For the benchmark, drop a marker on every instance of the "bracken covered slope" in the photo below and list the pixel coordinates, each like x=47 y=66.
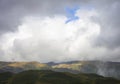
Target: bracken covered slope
x=51 y=77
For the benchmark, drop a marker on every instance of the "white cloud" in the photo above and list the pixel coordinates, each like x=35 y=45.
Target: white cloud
x=50 y=39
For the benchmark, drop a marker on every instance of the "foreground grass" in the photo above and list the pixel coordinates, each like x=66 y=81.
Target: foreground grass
x=51 y=77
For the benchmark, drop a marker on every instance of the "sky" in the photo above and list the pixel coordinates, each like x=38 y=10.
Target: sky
x=59 y=30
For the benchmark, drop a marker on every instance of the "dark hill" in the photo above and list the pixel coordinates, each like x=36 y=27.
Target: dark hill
x=51 y=77
x=5 y=76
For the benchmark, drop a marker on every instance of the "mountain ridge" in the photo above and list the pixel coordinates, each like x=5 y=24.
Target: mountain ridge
x=107 y=69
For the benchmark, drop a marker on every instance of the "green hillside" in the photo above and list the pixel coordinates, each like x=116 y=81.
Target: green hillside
x=4 y=77
x=51 y=77
x=107 y=69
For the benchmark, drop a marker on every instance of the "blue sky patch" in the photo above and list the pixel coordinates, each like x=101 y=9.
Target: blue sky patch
x=70 y=13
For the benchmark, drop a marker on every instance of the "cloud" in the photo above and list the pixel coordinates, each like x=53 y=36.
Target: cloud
x=109 y=19
x=50 y=39
x=29 y=28
x=12 y=11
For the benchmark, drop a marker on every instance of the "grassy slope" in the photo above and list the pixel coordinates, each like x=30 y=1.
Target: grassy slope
x=4 y=77
x=51 y=77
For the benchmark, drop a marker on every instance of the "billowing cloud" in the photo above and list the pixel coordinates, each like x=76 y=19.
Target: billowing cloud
x=50 y=38
x=12 y=11
x=37 y=30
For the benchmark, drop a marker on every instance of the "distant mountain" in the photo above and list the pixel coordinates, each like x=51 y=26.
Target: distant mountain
x=51 y=77
x=107 y=69
x=16 y=67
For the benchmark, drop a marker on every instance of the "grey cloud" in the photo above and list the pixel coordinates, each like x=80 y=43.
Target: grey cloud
x=12 y=11
x=109 y=20
x=2 y=54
